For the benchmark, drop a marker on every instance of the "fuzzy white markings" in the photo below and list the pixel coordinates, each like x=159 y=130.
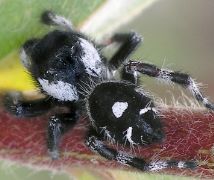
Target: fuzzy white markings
x=123 y=158
x=94 y=144
x=158 y=165
x=119 y=108
x=135 y=74
x=60 y=21
x=165 y=76
x=25 y=59
x=181 y=164
x=128 y=136
x=54 y=154
x=107 y=134
x=91 y=58
x=145 y=110
x=59 y=90
x=195 y=90
x=205 y=101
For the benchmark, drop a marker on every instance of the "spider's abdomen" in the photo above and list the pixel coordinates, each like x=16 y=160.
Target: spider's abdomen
x=120 y=113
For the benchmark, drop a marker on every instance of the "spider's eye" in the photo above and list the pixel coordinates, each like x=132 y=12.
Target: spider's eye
x=64 y=65
x=67 y=55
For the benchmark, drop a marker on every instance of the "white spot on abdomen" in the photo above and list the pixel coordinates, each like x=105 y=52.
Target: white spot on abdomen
x=91 y=58
x=145 y=110
x=119 y=108
x=59 y=90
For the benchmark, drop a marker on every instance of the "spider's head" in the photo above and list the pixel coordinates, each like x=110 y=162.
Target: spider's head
x=59 y=61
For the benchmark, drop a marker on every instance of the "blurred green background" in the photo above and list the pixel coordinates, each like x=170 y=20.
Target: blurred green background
x=178 y=35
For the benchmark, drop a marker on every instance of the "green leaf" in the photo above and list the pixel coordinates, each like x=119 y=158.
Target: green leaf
x=20 y=21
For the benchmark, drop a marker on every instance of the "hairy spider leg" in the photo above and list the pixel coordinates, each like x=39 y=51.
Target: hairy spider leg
x=50 y=18
x=97 y=145
x=129 y=42
x=132 y=77
x=16 y=105
x=58 y=125
x=170 y=76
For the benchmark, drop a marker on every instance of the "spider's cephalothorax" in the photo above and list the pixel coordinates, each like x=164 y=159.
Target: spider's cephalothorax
x=61 y=61
x=70 y=70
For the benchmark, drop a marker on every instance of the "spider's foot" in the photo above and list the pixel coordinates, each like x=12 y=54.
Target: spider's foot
x=190 y=164
x=50 y=18
x=12 y=102
x=54 y=154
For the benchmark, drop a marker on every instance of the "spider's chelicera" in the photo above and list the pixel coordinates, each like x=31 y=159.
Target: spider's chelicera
x=70 y=70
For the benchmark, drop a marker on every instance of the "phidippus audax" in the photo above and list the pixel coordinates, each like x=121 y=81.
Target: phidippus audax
x=70 y=70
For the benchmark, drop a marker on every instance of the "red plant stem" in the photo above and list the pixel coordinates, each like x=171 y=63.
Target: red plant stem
x=189 y=136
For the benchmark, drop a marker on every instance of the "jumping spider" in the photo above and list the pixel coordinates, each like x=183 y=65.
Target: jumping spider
x=70 y=70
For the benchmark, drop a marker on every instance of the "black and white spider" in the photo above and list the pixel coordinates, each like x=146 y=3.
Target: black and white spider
x=71 y=71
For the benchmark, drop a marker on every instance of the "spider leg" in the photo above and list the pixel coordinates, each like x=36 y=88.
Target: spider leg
x=50 y=18
x=129 y=42
x=170 y=76
x=16 y=105
x=130 y=76
x=57 y=126
x=96 y=145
